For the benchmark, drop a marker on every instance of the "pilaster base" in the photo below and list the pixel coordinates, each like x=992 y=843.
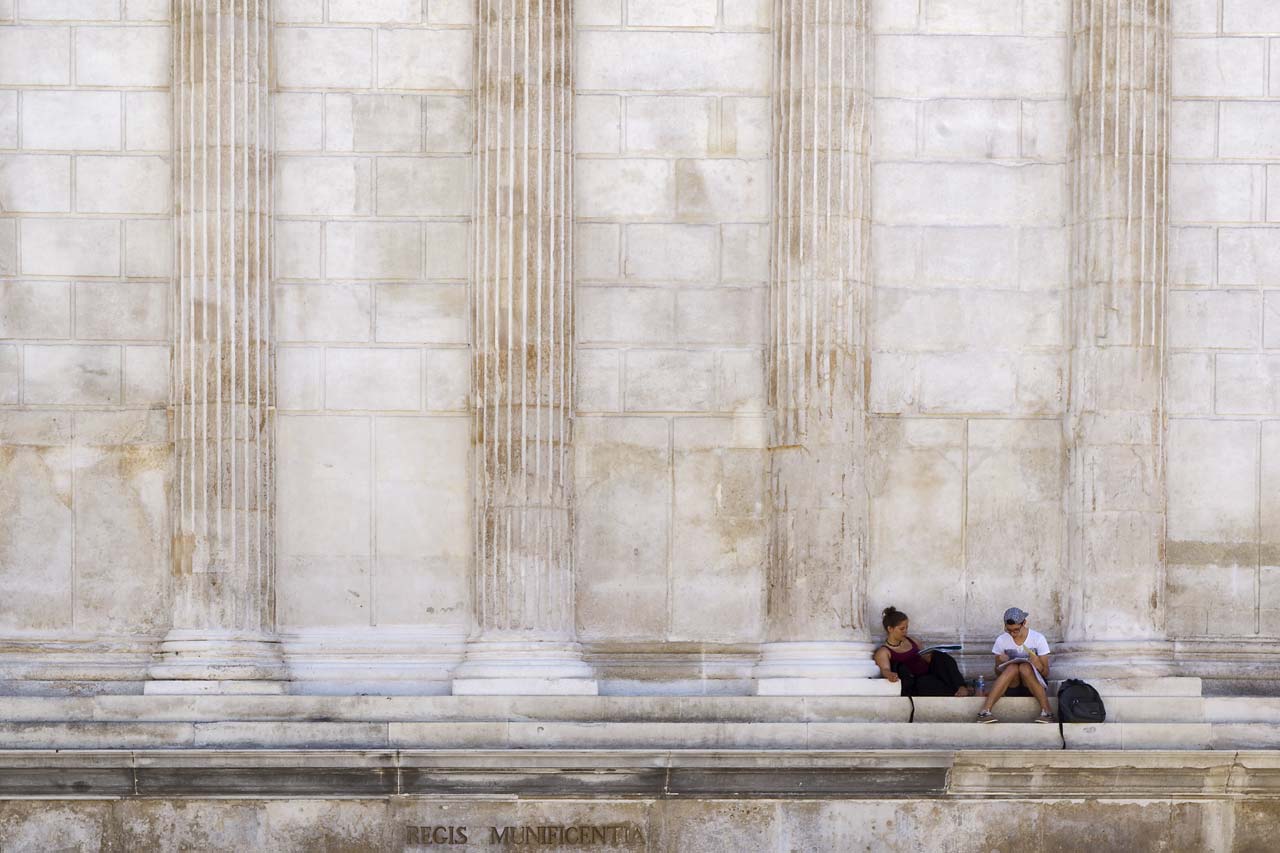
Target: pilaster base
x=225 y=687
x=1115 y=659
x=77 y=665
x=827 y=687
x=820 y=669
x=524 y=668
x=387 y=660
x=195 y=661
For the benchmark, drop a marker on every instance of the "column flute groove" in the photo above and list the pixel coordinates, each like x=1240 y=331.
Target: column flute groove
x=1116 y=413
x=523 y=370
x=817 y=639
x=222 y=412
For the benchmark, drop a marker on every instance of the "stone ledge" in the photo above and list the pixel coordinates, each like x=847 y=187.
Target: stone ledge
x=718 y=709
x=651 y=774
x=651 y=735
x=254 y=734
x=594 y=722
x=458 y=708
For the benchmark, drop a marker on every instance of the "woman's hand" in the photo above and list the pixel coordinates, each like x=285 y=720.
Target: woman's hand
x=890 y=677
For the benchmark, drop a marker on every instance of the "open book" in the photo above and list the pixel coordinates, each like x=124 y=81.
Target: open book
x=1018 y=655
x=954 y=647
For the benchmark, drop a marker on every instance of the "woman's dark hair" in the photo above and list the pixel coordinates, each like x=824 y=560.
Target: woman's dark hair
x=893 y=616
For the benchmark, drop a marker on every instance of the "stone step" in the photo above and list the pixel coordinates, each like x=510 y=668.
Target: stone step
x=1024 y=709
x=1134 y=736
x=711 y=709
x=1242 y=709
x=644 y=735
x=1245 y=736
x=527 y=735
x=718 y=709
x=1163 y=686
x=1179 y=736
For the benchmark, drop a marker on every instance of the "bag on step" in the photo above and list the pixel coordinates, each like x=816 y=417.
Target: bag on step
x=1078 y=702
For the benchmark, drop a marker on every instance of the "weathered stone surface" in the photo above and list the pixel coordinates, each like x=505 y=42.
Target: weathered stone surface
x=892 y=802
x=523 y=362
x=36 y=570
x=221 y=516
x=916 y=482
x=1047 y=419
x=623 y=527
x=816 y=509
x=1122 y=199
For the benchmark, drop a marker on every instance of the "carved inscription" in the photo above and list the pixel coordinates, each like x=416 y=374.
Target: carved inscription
x=541 y=835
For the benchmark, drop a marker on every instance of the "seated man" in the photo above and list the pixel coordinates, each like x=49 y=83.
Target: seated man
x=1022 y=660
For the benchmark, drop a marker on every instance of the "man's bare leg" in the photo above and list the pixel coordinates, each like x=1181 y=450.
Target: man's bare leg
x=1002 y=683
x=1028 y=675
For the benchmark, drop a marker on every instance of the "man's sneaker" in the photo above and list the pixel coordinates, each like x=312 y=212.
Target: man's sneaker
x=986 y=717
x=1046 y=717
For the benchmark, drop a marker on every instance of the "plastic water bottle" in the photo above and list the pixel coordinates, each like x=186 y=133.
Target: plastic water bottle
x=981 y=689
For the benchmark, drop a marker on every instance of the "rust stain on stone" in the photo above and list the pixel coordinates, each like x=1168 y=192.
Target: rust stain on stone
x=1185 y=553
x=142 y=459
x=182 y=553
x=692 y=190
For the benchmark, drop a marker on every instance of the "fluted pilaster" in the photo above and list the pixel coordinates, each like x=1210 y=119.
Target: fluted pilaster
x=818 y=505
x=1120 y=98
x=523 y=366
x=221 y=415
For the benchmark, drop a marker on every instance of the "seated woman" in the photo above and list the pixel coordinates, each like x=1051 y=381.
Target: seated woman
x=933 y=674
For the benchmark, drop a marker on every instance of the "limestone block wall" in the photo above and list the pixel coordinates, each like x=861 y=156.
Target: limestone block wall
x=968 y=332
x=672 y=246
x=1223 y=369
x=374 y=134
x=85 y=205
x=967 y=327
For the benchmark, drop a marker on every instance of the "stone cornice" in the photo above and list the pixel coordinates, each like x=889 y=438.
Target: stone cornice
x=646 y=774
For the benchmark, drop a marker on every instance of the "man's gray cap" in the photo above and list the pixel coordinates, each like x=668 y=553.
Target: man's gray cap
x=1015 y=614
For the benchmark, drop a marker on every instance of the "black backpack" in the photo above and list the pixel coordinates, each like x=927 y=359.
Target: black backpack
x=1078 y=702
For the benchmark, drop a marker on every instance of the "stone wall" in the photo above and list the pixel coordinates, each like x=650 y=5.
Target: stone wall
x=1224 y=321
x=673 y=202
x=85 y=237
x=374 y=129
x=694 y=824
x=968 y=328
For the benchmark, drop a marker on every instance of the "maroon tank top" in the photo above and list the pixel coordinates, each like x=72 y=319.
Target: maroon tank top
x=911 y=657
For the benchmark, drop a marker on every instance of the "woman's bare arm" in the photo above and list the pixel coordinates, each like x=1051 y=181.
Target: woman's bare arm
x=881 y=657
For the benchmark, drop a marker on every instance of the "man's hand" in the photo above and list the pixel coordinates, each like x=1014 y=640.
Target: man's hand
x=1036 y=661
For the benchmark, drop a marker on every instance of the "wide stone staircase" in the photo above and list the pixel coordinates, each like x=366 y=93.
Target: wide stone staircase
x=1161 y=713
x=1178 y=766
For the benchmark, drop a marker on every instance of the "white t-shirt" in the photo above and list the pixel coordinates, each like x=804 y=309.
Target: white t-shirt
x=1005 y=645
